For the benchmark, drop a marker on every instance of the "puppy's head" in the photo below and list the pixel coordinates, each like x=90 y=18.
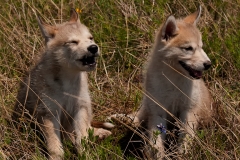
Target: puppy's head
x=71 y=44
x=181 y=44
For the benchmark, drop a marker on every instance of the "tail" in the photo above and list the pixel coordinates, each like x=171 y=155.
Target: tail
x=104 y=125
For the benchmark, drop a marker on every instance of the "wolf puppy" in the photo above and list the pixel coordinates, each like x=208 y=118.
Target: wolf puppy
x=55 y=93
x=173 y=85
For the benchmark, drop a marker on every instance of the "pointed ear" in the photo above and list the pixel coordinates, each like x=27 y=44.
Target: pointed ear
x=48 y=31
x=73 y=16
x=194 y=17
x=169 y=29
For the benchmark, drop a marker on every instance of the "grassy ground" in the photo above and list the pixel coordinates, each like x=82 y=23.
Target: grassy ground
x=124 y=30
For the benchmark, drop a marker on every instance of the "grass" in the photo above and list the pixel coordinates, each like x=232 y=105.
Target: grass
x=125 y=32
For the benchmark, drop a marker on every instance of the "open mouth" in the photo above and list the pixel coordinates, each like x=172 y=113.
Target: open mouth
x=192 y=72
x=88 y=60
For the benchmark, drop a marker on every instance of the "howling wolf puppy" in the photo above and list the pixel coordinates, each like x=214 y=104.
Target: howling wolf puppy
x=174 y=90
x=55 y=93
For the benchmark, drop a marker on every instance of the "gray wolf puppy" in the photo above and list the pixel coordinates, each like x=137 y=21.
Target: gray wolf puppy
x=55 y=93
x=174 y=90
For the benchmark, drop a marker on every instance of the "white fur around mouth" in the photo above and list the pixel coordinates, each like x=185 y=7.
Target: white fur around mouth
x=192 y=72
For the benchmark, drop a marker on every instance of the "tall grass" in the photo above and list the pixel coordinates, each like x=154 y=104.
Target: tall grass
x=124 y=30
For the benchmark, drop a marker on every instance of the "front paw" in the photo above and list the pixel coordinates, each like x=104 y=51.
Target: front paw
x=184 y=143
x=129 y=119
x=56 y=153
x=101 y=133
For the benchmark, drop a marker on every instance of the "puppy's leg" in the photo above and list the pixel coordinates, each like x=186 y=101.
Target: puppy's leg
x=51 y=130
x=100 y=129
x=190 y=123
x=122 y=116
x=81 y=125
x=158 y=140
x=127 y=118
x=102 y=133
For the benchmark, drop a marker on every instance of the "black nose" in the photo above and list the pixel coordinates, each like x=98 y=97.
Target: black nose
x=207 y=65
x=93 y=49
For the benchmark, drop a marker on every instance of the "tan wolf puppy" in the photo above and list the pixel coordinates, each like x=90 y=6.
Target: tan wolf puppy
x=55 y=93
x=173 y=85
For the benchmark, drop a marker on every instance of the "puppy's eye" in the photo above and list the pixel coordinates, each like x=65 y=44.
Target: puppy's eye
x=72 y=42
x=91 y=38
x=189 y=48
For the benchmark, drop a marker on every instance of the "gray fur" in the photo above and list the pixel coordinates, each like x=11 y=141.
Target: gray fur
x=171 y=93
x=55 y=92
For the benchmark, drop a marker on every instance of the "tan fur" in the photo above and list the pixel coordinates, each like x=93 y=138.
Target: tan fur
x=56 y=91
x=170 y=91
